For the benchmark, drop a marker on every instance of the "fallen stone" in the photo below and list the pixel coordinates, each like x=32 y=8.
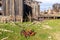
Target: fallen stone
x=5 y=30
x=4 y=38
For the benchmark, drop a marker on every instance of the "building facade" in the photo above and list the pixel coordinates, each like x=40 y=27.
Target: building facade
x=19 y=10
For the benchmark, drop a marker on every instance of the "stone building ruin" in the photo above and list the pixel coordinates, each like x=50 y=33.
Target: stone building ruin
x=19 y=10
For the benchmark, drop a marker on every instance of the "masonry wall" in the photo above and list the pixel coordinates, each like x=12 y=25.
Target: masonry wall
x=35 y=10
x=13 y=8
x=17 y=10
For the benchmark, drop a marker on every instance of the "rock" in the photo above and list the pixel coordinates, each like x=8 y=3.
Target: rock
x=4 y=38
x=6 y=30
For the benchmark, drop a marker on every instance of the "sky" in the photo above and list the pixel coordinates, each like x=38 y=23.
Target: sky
x=46 y=4
x=49 y=1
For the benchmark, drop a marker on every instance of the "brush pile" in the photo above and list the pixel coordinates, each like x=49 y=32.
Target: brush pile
x=28 y=33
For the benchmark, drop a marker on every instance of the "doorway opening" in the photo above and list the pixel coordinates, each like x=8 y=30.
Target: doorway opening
x=27 y=13
x=0 y=14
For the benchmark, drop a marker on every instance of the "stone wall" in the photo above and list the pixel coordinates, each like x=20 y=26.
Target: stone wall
x=16 y=10
x=13 y=8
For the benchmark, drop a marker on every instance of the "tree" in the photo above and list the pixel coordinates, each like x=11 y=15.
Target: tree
x=56 y=7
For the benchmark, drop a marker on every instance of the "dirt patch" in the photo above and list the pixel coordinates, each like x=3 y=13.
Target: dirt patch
x=57 y=35
x=46 y=27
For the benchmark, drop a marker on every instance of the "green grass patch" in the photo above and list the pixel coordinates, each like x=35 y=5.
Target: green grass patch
x=41 y=34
